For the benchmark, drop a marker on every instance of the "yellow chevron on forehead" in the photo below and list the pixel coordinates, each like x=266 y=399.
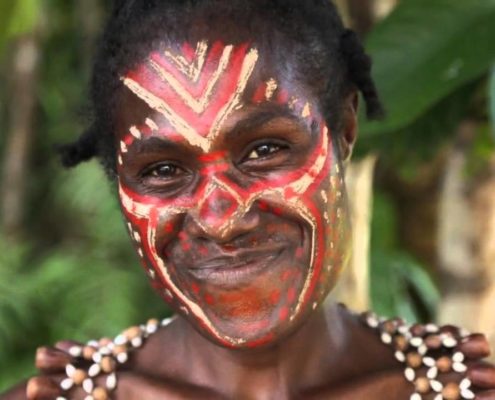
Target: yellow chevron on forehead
x=191 y=70
x=198 y=106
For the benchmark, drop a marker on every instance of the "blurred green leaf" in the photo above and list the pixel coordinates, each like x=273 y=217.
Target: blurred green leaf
x=24 y=16
x=16 y=18
x=425 y=50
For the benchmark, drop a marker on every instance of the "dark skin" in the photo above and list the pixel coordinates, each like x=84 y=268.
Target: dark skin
x=325 y=354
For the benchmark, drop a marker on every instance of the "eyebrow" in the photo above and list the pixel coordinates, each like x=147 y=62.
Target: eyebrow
x=250 y=123
x=261 y=118
x=155 y=144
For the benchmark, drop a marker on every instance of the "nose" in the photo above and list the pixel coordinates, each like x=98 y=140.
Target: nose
x=220 y=215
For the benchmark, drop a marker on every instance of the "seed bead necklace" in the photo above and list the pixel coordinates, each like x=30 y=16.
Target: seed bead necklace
x=426 y=351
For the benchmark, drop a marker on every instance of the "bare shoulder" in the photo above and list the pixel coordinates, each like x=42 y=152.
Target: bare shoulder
x=18 y=392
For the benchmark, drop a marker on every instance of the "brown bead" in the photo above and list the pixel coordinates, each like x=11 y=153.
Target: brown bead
x=132 y=332
x=401 y=343
x=108 y=364
x=79 y=376
x=451 y=391
x=433 y=342
x=422 y=385
x=119 y=349
x=444 y=364
x=451 y=329
x=100 y=394
x=105 y=342
x=418 y=330
x=153 y=321
x=414 y=360
x=389 y=326
x=88 y=352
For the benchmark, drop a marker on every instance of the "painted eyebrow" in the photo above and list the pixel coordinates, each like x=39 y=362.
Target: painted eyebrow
x=155 y=143
x=259 y=119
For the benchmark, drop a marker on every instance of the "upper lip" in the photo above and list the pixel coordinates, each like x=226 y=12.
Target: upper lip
x=236 y=259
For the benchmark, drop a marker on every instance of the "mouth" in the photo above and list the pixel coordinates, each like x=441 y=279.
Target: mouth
x=235 y=270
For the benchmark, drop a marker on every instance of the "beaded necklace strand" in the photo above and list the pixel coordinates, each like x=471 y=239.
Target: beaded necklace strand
x=426 y=351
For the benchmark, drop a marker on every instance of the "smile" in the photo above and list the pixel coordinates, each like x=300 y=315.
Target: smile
x=232 y=271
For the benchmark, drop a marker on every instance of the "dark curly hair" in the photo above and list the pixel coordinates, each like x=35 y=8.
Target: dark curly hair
x=329 y=57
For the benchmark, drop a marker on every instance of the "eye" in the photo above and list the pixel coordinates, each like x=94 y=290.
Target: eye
x=264 y=150
x=163 y=171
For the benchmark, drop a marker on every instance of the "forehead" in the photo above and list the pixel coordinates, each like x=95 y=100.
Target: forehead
x=197 y=89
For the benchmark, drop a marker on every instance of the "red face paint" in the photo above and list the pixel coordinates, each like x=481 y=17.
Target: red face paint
x=256 y=295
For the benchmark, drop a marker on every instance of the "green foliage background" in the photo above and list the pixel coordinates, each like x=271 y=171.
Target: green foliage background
x=74 y=275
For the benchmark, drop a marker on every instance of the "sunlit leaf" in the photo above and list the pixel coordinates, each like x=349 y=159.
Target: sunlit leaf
x=424 y=51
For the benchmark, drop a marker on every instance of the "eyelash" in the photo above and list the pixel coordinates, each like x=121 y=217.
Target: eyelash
x=152 y=172
x=273 y=148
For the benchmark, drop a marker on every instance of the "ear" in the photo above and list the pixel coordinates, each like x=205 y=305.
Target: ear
x=348 y=134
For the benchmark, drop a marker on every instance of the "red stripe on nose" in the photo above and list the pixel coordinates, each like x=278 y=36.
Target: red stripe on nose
x=217 y=208
x=215 y=168
x=212 y=157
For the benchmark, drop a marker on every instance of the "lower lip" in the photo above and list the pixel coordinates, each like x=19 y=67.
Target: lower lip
x=233 y=275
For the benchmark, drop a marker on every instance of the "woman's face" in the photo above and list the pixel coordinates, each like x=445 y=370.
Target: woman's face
x=232 y=190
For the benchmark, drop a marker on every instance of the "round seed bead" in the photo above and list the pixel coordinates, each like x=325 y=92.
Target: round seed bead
x=433 y=342
x=119 y=349
x=88 y=352
x=444 y=364
x=422 y=385
x=79 y=376
x=100 y=394
x=390 y=327
x=414 y=360
x=415 y=396
x=132 y=332
x=451 y=391
x=401 y=343
x=103 y=342
x=108 y=364
x=418 y=330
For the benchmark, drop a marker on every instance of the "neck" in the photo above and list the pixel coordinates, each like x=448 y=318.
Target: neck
x=311 y=356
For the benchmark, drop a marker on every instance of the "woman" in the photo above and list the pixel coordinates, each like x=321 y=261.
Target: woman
x=225 y=126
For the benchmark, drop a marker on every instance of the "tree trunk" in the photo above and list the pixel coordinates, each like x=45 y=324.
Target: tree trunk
x=22 y=104
x=353 y=287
